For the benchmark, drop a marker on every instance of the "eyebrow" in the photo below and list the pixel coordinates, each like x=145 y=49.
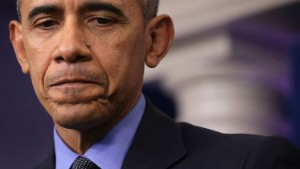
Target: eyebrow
x=43 y=9
x=100 y=6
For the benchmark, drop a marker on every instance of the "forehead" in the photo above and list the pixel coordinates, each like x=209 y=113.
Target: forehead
x=126 y=6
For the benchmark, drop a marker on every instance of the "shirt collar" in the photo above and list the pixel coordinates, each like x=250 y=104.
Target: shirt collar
x=110 y=151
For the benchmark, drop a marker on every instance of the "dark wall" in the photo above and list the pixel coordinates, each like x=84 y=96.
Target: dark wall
x=25 y=127
x=296 y=97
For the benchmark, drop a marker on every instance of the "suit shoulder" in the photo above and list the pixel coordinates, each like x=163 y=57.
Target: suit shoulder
x=206 y=141
x=274 y=152
x=198 y=135
x=242 y=150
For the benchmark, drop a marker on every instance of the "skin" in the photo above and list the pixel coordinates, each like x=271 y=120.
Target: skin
x=87 y=62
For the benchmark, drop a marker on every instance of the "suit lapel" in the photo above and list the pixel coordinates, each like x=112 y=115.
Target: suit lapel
x=157 y=144
x=49 y=163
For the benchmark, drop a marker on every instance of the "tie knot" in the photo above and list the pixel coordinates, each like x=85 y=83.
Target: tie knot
x=83 y=163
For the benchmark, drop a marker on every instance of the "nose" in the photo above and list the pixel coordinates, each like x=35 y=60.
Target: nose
x=73 y=46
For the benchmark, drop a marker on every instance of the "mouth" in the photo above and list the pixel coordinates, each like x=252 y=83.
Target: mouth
x=75 y=90
x=71 y=82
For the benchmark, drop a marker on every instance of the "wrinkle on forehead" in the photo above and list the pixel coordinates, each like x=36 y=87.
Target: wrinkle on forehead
x=71 y=3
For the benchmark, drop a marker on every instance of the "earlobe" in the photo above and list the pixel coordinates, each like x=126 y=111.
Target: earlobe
x=16 y=39
x=161 y=35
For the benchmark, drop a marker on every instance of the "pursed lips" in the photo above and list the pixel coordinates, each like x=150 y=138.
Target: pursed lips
x=72 y=81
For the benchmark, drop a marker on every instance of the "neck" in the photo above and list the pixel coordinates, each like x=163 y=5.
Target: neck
x=80 y=141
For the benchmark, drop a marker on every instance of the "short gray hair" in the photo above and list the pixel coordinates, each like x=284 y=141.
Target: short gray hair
x=18 y=8
x=149 y=7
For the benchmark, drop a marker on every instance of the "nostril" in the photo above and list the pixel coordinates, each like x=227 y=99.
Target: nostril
x=71 y=59
x=59 y=59
x=80 y=58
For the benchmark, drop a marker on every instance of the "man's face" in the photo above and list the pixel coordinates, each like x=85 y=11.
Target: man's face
x=85 y=57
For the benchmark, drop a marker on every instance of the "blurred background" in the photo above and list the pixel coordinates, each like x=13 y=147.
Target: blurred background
x=232 y=68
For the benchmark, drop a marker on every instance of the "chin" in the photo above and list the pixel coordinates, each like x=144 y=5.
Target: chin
x=79 y=117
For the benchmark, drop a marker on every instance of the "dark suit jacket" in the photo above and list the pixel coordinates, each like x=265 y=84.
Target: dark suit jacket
x=160 y=143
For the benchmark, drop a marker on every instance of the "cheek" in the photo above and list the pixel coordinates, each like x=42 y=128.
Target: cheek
x=38 y=52
x=122 y=56
x=39 y=60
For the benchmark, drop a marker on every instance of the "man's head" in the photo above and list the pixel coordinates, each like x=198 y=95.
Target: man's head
x=86 y=57
x=150 y=8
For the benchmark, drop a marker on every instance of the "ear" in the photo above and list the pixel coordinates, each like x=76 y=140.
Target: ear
x=160 y=37
x=16 y=39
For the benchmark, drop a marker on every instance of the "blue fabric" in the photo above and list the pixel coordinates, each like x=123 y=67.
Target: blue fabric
x=110 y=151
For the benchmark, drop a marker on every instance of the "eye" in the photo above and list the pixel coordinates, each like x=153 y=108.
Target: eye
x=102 y=21
x=46 y=25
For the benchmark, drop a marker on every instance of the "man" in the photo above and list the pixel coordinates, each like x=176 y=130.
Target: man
x=86 y=61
